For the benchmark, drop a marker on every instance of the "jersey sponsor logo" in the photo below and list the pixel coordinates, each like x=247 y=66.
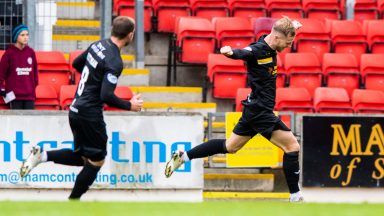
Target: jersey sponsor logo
x=23 y=71
x=272 y=70
x=264 y=61
x=29 y=60
x=98 y=49
x=91 y=60
x=112 y=78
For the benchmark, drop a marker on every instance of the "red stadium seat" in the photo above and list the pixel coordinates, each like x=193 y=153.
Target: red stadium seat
x=380 y=7
x=290 y=8
x=281 y=75
x=366 y=10
x=312 y=37
x=123 y=92
x=285 y=52
x=167 y=11
x=227 y=75
x=209 y=8
x=375 y=35
x=53 y=69
x=3 y=105
x=46 y=98
x=372 y=71
x=127 y=8
x=67 y=94
x=235 y=32
x=1 y=53
x=76 y=75
x=293 y=99
x=348 y=37
x=328 y=26
x=241 y=94
x=332 y=100
x=262 y=25
x=321 y=9
x=304 y=70
x=368 y=101
x=342 y=8
x=247 y=8
x=341 y=70
x=195 y=38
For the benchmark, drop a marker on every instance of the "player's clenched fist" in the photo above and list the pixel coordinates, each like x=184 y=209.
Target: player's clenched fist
x=136 y=103
x=226 y=50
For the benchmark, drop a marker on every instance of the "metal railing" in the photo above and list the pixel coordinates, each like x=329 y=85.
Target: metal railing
x=11 y=15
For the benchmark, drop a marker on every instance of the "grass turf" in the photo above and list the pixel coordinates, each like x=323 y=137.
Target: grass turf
x=220 y=208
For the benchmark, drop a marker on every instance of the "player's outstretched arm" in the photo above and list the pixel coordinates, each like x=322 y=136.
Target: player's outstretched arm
x=243 y=54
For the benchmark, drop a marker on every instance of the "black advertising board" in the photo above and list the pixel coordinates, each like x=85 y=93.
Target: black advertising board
x=343 y=151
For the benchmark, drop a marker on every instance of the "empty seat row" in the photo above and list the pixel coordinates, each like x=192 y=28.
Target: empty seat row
x=160 y=15
x=332 y=35
x=197 y=37
x=325 y=100
x=302 y=70
x=335 y=70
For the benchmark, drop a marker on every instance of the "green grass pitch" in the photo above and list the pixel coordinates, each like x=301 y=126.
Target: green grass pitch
x=211 y=208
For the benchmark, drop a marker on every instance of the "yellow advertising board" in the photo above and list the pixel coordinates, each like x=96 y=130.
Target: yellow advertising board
x=258 y=152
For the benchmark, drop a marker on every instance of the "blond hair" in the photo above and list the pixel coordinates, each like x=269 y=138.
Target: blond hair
x=285 y=26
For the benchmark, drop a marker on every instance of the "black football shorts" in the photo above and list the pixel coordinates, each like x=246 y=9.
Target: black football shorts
x=90 y=137
x=257 y=120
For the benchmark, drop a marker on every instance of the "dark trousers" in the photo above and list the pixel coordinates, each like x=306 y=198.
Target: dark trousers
x=22 y=104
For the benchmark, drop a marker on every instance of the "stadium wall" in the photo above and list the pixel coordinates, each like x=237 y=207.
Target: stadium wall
x=138 y=147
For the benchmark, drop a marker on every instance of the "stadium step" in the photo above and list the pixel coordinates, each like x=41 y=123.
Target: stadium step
x=190 y=96
x=214 y=195
x=236 y=180
x=69 y=42
x=79 y=23
x=134 y=77
x=203 y=108
x=76 y=10
x=215 y=125
x=218 y=161
x=128 y=60
x=76 y=27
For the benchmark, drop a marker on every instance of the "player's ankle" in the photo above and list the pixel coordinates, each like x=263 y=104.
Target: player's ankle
x=185 y=157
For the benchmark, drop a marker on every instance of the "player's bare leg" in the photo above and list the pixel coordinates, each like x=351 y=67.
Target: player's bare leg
x=288 y=143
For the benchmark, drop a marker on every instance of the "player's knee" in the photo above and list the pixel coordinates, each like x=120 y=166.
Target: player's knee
x=96 y=163
x=292 y=147
x=232 y=149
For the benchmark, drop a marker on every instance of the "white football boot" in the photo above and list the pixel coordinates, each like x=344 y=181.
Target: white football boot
x=296 y=197
x=33 y=159
x=175 y=162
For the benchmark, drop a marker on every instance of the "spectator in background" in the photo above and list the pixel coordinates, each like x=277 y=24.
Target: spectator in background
x=18 y=70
